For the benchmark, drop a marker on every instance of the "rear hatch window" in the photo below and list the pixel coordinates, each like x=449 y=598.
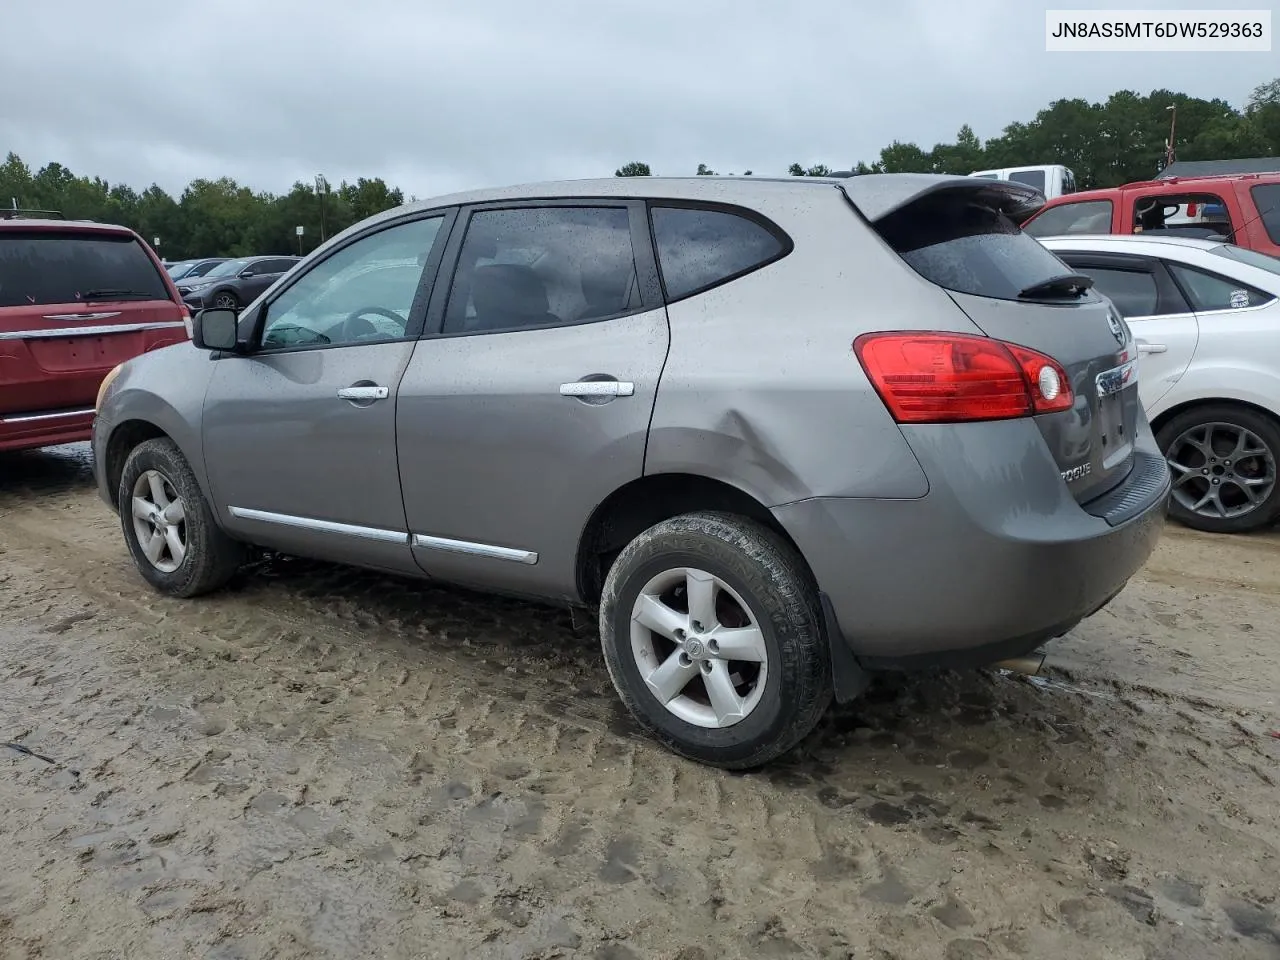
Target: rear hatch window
x=963 y=236
x=39 y=268
x=967 y=246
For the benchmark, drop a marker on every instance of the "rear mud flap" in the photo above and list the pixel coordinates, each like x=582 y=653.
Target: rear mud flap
x=848 y=678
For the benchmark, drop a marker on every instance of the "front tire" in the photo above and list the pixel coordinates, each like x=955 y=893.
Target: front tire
x=168 y=526
x=712 y=633
x=1223 y=457
x=226 y=300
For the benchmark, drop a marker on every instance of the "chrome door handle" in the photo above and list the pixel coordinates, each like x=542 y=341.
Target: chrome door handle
x=1144 y=347
x=598 y=388
x=363 y=393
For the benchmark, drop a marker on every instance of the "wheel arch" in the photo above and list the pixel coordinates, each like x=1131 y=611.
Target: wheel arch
x=1164 y=416
x=647 y=500
x=121 y=441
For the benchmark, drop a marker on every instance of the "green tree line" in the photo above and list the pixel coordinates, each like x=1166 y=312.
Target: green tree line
x=1106 y=144
x=211 y=218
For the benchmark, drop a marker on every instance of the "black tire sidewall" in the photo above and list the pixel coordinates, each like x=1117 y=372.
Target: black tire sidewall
x=1255 y=422
x=163 y=457
x=775 y=717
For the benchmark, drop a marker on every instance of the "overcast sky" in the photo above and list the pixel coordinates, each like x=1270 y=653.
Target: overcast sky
x=435 y=96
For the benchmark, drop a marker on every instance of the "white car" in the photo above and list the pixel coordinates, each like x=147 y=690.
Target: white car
x=1206 y=319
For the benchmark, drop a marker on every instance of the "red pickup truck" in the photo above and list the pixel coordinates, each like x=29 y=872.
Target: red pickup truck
x=1243 y=208
x=76 y=298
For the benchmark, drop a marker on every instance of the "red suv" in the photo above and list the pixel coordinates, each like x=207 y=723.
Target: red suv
x=76 y=298
x=1243 y=208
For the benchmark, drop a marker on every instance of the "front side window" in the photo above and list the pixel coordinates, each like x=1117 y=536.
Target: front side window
x=698 y=248
x=228 y=268
x=1083 y=216
x=1208 y=291
x=1193 y=214
x=361 y=294
x=542 y=267
x=1132 y=291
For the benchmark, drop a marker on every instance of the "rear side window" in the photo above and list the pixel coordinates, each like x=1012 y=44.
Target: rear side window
x=57 y=267
x=1132 y=291
x=1266 y=197
x=1084 y=216
x=1208 y=291
x=699 y=248
x=960 y=244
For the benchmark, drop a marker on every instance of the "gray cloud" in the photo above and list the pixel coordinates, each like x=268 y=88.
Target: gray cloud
x=438 y=96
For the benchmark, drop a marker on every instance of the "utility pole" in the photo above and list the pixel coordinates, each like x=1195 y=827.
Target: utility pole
x=1168 y=147
x=322 y=187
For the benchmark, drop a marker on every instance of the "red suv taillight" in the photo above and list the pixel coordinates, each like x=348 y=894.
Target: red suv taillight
x=926 y=377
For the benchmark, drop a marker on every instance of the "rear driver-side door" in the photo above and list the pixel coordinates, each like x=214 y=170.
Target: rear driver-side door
x=1164 y=327
x=528 y=402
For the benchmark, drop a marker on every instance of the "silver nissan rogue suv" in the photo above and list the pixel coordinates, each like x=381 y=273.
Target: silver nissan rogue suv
x=782 y=433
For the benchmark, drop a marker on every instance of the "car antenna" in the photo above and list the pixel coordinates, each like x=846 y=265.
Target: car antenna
x=1249 y=223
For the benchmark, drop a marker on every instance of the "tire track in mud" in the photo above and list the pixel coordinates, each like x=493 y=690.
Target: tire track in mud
x=450 y=774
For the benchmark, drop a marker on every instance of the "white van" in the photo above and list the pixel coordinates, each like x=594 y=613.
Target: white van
x=1053 y=180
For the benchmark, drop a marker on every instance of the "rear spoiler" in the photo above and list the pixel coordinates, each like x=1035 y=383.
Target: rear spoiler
x=877 y=195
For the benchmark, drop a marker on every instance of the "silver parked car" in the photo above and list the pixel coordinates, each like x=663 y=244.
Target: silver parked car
x=782 y=433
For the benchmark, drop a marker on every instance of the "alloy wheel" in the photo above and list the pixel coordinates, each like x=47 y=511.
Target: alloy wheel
x=699 y=648
x=1221 y=470
x=159 y=521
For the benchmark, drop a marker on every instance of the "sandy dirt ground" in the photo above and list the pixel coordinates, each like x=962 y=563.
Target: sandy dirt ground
x=321 y=763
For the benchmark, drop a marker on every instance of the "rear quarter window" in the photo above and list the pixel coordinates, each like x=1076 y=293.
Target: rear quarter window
x=699 y=248
x=1266 y=197
x=951 y=239
x=60 y=267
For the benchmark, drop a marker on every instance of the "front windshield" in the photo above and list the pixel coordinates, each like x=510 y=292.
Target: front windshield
x=1251 y=257
x=176 y=270
x=228 y=269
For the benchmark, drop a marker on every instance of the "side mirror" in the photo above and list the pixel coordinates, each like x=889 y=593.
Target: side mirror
x=215 y=329
x=246 y=273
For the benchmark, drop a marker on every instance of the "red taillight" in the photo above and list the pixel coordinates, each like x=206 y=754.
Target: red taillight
x=952 y=377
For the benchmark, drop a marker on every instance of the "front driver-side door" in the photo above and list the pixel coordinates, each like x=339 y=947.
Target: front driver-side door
x=1164 y=327
x=300 y=432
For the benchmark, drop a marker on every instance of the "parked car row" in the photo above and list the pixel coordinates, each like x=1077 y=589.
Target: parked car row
x=230 y=284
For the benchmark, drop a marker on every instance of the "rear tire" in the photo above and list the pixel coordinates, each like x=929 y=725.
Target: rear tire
x=170 y=531
x=1234 y=445
x=735 y=712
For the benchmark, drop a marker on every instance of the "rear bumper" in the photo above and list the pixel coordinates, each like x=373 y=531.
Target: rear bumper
x=28 y=431
x=997 y=558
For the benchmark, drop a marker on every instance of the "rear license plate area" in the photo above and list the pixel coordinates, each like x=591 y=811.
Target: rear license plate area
x=85 y=353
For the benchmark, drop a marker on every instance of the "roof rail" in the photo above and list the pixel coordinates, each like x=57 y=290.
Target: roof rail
x=21 y=214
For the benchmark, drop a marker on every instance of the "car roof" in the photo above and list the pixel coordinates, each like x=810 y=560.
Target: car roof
x=875 y=194
x=65 y=226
